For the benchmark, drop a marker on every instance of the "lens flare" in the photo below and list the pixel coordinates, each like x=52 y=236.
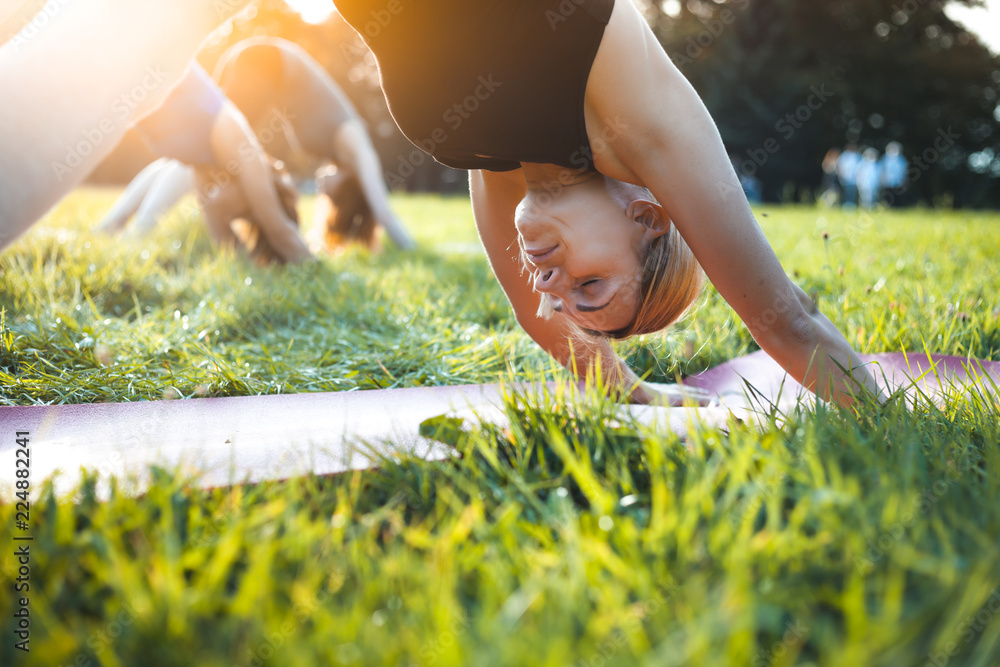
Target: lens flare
x=313 y=11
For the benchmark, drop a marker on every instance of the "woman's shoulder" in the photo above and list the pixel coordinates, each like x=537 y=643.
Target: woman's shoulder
x=629 y=84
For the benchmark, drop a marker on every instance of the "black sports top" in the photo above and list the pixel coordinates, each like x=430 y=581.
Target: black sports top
x=486 y=84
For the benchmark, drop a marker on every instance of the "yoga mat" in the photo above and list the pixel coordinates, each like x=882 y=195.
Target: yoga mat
x=756 y=381
x=225 y=441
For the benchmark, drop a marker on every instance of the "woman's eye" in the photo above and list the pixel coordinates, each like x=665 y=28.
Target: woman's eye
x=592 y=281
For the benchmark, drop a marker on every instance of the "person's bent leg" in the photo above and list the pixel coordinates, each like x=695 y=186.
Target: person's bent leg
x=173 y=182
x=354 y=147
x=95 y=68
x=131 y=199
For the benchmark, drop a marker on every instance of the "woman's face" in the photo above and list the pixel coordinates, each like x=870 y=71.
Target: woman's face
x=582 y=245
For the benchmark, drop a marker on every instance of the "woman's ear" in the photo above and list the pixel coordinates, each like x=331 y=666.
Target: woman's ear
x=650 y=215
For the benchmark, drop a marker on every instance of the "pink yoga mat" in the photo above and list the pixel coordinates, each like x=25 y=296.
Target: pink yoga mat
x=250 y=439
x=755 y=380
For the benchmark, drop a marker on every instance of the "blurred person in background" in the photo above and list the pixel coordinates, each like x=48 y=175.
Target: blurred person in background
x=869 y=178
x=752 y=186
x=148 y=197
x=847 y=167
x=272 y=80
x=830 y=187
x=234 y=178
x=894 y=167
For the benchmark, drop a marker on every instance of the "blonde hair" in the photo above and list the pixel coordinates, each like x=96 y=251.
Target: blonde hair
x=671 y=281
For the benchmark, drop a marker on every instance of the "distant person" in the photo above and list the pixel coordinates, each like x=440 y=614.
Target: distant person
x=869 y=178
x=847 y=167
x=830 y=187
x=894 y=167
x=752 y=186
x=234 y=178
x=271 y=79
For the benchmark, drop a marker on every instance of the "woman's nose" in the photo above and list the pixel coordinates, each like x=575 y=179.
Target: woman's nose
x=546 y=280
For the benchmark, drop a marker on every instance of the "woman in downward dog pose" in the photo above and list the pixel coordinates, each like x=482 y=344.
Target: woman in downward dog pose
x=599 y=181
x=275 y=82
x=234 y=178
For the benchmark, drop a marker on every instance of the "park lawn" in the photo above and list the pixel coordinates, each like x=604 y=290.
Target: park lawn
x=867 y=537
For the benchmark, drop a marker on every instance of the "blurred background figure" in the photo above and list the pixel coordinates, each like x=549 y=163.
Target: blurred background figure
x=234 y=178
x=287 y=96
x=847 y=167
x=752 y=186
x=894 y=173
x=830 y=187
x=869 y=178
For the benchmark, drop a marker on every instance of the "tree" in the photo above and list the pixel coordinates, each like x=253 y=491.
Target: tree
x=814 y=75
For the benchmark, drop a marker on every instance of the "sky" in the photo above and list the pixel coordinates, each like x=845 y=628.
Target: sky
x=984 y=22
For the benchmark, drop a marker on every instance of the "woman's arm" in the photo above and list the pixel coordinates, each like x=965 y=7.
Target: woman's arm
x=355 y=147
x=495 y=196
x=236 y=148
x=671 y=145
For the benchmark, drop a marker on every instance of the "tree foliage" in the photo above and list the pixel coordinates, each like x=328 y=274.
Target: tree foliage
x=815 y=75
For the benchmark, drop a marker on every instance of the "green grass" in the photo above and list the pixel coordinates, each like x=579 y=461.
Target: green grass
x=839 y=538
